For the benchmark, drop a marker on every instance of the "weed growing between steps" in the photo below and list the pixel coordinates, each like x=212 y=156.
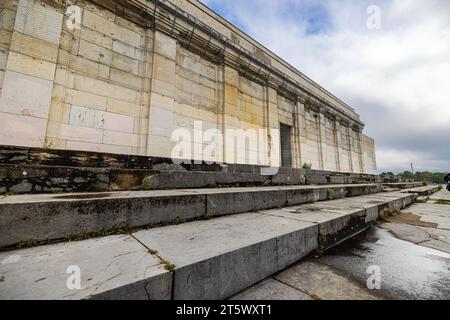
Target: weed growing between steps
x=322 y=246
x=330 y=194
x=443 y=202
x=422 y=199
x=126 y=229
x=167 y=264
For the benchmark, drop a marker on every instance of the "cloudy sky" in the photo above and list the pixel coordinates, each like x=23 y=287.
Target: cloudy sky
x=397 y=77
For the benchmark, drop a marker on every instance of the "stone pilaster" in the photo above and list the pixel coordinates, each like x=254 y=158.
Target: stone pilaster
x=162 y=96
x=322 y=140
x=230 y=119
x=350 y=149
x=299 y=116
x=360 y=153
x=273 y=128
x=337 y=143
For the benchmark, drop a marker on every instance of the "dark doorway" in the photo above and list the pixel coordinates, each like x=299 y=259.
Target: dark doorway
x=286 y=145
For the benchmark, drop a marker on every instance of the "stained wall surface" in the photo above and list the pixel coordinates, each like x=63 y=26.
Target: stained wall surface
x=126 y=83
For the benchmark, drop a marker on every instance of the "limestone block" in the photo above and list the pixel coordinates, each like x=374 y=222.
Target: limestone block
x=106 y=148
x=164 y=88
x=64 y=76
x=2 y=75
x=5 y=39
x=3 y=59
x=117 y=122
x=120 y=138
x=97 y=38
x=104 y=88
x=38 y=20
x=33 y=47
x=95 y=53
x=84 y=99
x=59 y=112
x=164 y=69
x=85 y=117
x=161 y=122
x=109 y=28
x=83 y=146
x=31 y=66
x=81 y=134
x=165 y=46
x=26 y=95
x=125 y=78
x=127 y=50
x=126 y=94
x=159 y=147
x=122 y=107
x=125 y=63
x=161 y=101
x=231 y=76
x=21 y=130
x=9 y=4
x=7 y=19
x=122 y=21
x=88 y=67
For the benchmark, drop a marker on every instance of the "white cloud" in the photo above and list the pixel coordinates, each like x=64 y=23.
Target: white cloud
x=397 y=78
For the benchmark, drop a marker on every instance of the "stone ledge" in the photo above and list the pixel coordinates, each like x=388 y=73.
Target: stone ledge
x=214 y=259
x=31 y=170
x=111 y=268
x=33 y=219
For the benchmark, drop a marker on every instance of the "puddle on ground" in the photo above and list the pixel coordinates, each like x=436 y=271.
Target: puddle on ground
x=84 y=196
x=408 y=271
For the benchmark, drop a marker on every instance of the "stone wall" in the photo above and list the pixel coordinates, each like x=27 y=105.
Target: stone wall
x=368 y=151
x=124 y=82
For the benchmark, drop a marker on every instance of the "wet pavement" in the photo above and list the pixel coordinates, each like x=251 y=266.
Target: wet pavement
x=406 y=258
x=407 y=270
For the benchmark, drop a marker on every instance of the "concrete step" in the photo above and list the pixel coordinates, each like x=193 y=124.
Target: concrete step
x=38 y=179
x=31 y=170
x=28 y=220
x=403 y=185
x=424 y=191
x=210 y=259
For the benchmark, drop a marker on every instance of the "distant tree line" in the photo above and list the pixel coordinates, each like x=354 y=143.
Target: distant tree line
x=426 y=176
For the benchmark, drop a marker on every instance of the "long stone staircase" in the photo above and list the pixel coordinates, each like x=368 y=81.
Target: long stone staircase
x=202 y=242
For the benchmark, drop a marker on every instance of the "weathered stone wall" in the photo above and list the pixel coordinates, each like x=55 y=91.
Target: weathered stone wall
x=369 y=158
x=124 y=82
x=310 y=139
x=101 y=87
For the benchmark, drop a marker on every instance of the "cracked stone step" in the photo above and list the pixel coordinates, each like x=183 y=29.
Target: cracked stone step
x=31 y=219
x=214 y=259
x=116 y=267
x=424 y=191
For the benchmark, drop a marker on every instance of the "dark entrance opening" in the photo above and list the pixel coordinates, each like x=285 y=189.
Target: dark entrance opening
x=286 y=145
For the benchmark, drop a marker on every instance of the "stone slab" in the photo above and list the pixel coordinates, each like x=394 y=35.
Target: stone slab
x=116 y=268
x=272 y=289
x=53 y=217
x=324 y=283
x=423 y=191
x=35 y=218
x=218 y=258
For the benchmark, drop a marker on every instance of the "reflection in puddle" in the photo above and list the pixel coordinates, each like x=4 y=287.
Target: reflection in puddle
x=409 y=271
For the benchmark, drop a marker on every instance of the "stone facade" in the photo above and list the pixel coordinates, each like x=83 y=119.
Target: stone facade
x=133 y=72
